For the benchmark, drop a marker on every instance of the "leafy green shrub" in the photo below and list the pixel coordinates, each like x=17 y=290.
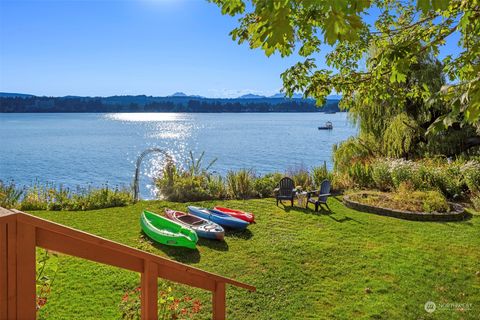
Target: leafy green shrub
x=92 y=198
x=434 y=201
x=471 y=176
x=476 y=201
x=9 y=194
x=264 y=185
x=35 y=198
x=48 y=197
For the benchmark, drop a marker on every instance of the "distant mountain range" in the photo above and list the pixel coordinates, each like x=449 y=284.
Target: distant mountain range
x=177 y=102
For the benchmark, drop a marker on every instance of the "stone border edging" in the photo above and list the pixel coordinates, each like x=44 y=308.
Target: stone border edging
x=457 y=214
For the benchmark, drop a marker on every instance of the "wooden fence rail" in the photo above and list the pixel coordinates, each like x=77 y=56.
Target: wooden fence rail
x=21 y=233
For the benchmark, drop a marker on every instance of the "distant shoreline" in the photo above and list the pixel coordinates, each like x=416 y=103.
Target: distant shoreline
x=187 y=104
x=72 y=112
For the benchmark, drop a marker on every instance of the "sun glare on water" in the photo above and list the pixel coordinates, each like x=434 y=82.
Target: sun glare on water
x=145 y=117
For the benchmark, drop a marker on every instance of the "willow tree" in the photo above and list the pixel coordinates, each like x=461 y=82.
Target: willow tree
x=372 y=57
x=399 y=128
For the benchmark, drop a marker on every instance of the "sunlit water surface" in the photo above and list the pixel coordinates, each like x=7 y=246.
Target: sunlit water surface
x=85 y=148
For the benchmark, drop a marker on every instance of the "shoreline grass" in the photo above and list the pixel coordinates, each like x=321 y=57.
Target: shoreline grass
x=342 y=265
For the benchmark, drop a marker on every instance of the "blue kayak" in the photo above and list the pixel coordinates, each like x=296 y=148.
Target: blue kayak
x=222 y=219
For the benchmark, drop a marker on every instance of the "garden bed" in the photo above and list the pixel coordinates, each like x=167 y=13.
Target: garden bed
x=354 y=201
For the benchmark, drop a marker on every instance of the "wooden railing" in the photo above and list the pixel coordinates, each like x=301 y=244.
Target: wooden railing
x=21 y=233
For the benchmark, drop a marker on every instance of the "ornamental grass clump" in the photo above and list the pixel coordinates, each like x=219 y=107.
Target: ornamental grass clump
x=193 y=183
x=301 y=176
x=240 y=184
x=321 y=173
x=361 y=175
x=9 y=194
x=381 y=176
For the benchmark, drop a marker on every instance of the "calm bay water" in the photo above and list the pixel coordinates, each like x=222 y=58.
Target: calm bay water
x=81 y=149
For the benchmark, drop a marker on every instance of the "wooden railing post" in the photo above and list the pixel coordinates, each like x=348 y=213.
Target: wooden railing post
x=12 y=269
x=149 y=293
x=219 y=301
x=3 y=272
x=26 y=271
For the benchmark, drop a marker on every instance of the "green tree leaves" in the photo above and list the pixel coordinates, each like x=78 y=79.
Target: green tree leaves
x=366 y=58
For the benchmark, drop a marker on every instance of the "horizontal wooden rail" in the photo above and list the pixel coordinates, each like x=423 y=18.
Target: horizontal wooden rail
x=20 y=233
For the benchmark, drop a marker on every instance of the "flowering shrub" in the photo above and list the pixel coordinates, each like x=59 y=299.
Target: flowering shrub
x=381 y=176
x=454 y=179
x=169 y=307
x=403 y=171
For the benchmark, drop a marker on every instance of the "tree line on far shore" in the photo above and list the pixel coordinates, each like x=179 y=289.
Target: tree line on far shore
x=135 y=104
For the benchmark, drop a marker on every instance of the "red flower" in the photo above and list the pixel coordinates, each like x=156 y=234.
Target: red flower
x=174 y=305
x=42 y=301
x=197 y=306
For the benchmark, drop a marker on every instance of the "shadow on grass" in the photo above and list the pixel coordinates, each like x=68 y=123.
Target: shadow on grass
x=322 y=211
x=344 y=219
x=180 y=254
x=213 y=244
x=244 y=234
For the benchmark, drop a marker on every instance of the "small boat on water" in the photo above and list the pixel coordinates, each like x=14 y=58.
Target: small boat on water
x=221 y=218
x=328 y=126
x=165 y=231
x=203 y=227
x=245 y=216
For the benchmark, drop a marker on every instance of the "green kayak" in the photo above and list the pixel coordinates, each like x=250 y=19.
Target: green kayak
x=167 y=232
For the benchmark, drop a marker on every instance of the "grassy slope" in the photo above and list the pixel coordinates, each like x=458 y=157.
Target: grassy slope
x=304 y=265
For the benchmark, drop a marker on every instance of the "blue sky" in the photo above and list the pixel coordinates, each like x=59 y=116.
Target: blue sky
x=101 y=48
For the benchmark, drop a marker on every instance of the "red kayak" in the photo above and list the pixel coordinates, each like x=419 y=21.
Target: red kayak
x=245 y=216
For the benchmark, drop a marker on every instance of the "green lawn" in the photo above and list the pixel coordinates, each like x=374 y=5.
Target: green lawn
x=304 y=265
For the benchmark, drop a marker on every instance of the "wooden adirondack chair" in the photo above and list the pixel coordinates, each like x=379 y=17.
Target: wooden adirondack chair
x=286 y=190
x=323 y=194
